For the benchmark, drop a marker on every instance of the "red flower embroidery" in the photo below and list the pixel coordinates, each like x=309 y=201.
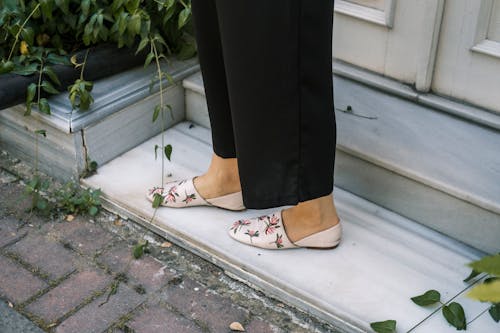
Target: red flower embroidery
x=156 y=190
x=172 y=193
x=189 y=198
x=239 y=224
x=279 y=241
x=271 y=224
x=274 y=220
x=252 y=234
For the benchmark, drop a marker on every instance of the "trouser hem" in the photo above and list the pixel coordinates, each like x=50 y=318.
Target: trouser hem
x=289 y=200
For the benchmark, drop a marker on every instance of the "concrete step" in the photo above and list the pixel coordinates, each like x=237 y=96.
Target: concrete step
x=424 y=157
x=383 y=260
x=119 y=119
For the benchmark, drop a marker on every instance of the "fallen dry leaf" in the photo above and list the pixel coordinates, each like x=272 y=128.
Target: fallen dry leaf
x=235 y=326
x=70 y=218
x=118 y=222
x=166 y=244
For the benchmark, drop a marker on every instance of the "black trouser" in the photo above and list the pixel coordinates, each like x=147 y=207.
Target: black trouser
x=267 y=72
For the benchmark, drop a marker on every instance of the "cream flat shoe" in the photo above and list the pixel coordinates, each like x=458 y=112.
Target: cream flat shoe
x=183 y=193
x=268 y=232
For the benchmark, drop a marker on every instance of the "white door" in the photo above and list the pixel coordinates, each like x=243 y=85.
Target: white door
x=396 y=38
x=468 y=58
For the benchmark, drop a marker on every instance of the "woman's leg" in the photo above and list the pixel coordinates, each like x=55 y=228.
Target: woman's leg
x=222 y=176
x=278 y=60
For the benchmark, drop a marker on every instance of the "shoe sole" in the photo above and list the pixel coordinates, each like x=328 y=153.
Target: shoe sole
x=323 y=248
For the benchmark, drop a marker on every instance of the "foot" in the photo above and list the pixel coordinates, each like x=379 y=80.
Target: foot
x=312 y=224
x=310 y=217
x=221 y=178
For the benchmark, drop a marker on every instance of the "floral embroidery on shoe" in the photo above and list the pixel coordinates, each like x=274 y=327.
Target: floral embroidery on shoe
x=271 y=224
x=278 y=241
x=189 y=198
x=156 y=190
x=171 y=194
x=238 y=225
x=252 y=234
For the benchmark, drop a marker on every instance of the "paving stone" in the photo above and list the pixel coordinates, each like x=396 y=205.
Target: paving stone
x=195 y=301
x=9 y=230
x=158 y=319
x=84 y=237
x=13 y=199
x=13 y=322
x=69 y=294
x=147 y=271
x=259 y=326
x=93 y=318
x=46 y=254
x=18 y=284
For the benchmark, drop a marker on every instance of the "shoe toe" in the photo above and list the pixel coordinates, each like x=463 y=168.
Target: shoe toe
x=265 y=231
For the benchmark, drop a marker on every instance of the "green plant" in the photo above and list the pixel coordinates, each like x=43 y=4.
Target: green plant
x=36 y=189
x=79 y=92
x=489 y=290
x=486 y=291
x=38 y=33
x=72 y=199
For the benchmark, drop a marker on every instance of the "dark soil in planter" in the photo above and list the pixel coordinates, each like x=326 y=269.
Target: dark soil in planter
x=103 y=60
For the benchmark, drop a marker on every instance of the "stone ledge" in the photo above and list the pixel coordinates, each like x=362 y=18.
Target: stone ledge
x=120 y=119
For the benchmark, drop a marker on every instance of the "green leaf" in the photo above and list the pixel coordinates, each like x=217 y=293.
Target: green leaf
x=148 y=60
x=486 y=292
x=93 y=166
x=156 y=112
x=85 y=6
x=28 y=35
x=168 y=151
x=157 y=200
x=44 y=106
x=134 y=24
x=142 y=45
x=6 y=67
x=26 y=70
x=184 y=17
x=138 y=250
x=56 y=59
x=48 y=87
x=429 y=297
x=472 y=275
x=495 y=312
x=156 y=151
x=93 y=210
x=488 y=264
x=132 y=5
x=42 y=132
x=454 y=314
x=52 y=75
x=387 y=326
x=41 y=204
x=30 y=93
x=46 y=6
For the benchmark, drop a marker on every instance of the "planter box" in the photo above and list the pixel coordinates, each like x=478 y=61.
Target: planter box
x=119 y=119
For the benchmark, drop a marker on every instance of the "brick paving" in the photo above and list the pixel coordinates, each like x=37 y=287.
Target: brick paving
x=81 y=277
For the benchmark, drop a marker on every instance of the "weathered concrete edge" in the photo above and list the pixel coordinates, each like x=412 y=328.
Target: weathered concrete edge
x=460 y=109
